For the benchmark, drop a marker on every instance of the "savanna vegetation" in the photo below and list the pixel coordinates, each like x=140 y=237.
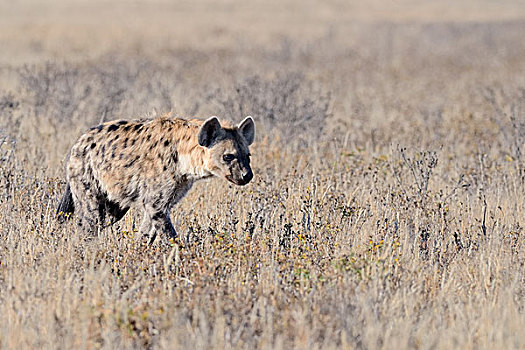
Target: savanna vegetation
x=388 y=205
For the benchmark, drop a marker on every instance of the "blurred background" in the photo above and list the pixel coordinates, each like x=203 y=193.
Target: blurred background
x=36 y=30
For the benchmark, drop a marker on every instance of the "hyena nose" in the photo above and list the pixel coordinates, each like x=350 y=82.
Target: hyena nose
x=247 y=176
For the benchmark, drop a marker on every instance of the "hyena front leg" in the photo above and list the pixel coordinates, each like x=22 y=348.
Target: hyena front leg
x=155 y=222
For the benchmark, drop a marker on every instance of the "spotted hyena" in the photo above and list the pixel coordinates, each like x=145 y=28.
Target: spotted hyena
x=150 y=164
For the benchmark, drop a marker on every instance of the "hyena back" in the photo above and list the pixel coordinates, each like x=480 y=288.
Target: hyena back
x=150 y=164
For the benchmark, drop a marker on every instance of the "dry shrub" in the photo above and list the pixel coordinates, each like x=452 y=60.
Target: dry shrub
x=287 y=106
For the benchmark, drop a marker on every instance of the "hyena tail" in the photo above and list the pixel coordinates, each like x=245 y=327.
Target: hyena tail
x=66 y=207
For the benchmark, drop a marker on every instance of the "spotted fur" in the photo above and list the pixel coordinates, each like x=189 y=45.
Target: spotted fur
x=150 y=164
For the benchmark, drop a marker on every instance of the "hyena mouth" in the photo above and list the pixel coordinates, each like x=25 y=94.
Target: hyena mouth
x=239 y=182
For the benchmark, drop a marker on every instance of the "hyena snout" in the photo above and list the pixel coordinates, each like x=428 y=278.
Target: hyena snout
x=242 y=177
x=247 y=176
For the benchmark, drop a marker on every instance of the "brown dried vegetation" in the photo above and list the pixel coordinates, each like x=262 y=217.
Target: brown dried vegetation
x=387 y=208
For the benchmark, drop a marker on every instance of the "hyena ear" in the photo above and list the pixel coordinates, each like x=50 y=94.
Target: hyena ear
x=247 y=129
x=209 y=131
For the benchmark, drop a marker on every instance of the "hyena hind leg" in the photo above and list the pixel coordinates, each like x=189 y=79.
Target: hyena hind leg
x=66 y=206
x=91 y=208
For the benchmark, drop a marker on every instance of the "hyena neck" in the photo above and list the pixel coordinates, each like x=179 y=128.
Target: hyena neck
x=193 y=166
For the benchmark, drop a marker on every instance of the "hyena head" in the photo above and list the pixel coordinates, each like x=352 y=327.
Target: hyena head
x=229 y=155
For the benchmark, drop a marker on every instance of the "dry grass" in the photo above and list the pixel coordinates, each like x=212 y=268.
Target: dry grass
x=388 y=205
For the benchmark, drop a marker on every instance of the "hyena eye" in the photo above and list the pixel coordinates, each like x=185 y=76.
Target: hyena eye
x=228 y=157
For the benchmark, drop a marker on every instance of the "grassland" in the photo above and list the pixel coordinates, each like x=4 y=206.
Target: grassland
x=388 y=205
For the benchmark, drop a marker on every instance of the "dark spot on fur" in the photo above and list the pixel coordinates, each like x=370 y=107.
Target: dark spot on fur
x=148 y=138
x=158 y=215
x=98 y=127
x=133 y=196
x=138 y=126
x=113 y=149
x=127 y=128
x=116 y=137
x=126 y=142
x=113 y=127
x=133 y=142
x=165 y=168
x=130 y=163
x=175 y=157
x=86 y=185
x=166 y=143
x=93 y=145
x=122 y=122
